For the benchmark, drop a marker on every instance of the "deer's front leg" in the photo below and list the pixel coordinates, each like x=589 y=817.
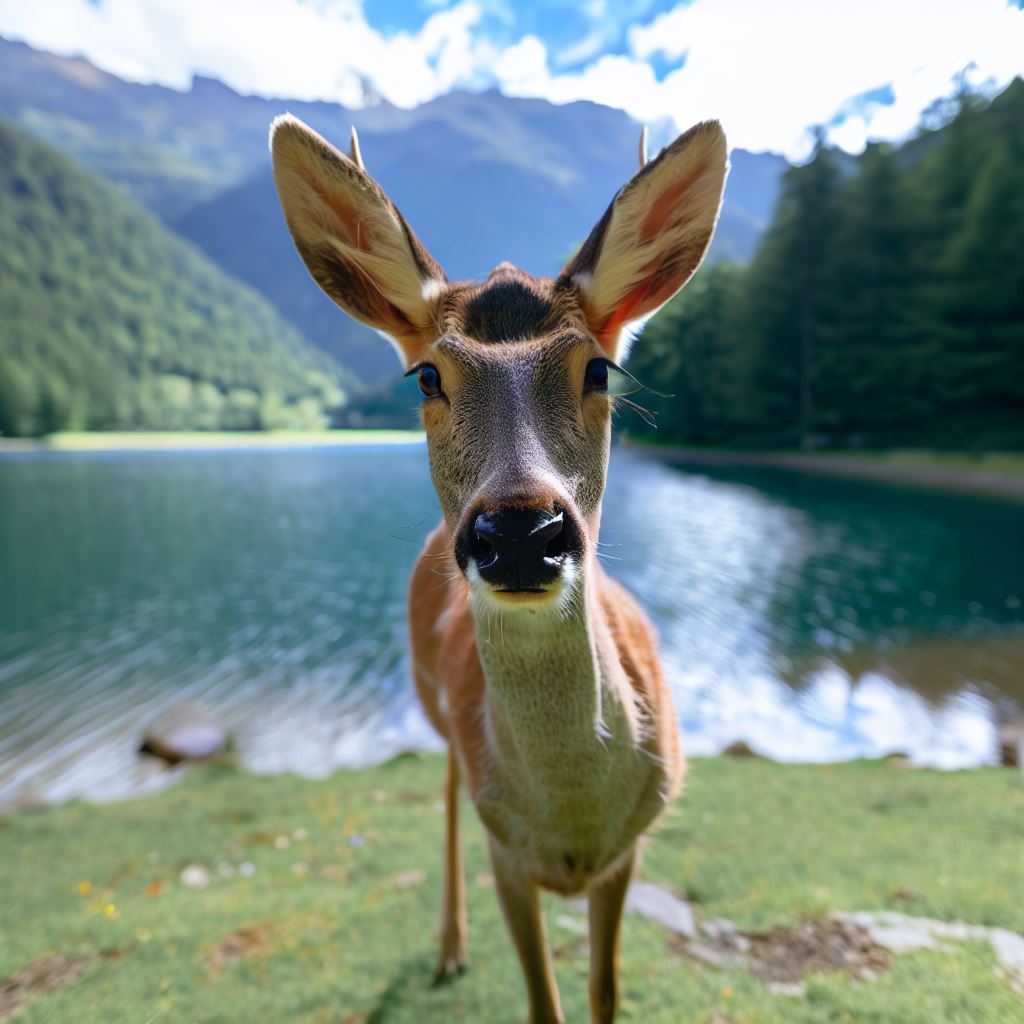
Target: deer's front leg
x=452 y=957
x=520 y=904
x=605 y=903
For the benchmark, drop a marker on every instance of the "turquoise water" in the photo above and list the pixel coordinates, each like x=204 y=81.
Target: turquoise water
x=817 y=619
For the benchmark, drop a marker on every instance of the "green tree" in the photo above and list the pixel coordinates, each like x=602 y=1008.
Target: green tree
x=18 y=400
x=689 y=351
x=982 y=329
x=874 y=380
x=786 y=302
x=882 y=307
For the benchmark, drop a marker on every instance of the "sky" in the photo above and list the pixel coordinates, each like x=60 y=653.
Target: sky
x=770 y=70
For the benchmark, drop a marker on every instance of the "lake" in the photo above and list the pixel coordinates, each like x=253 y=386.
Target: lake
x=815 y=618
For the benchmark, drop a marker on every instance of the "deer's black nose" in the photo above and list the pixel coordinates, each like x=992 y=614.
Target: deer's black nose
x=517 y=549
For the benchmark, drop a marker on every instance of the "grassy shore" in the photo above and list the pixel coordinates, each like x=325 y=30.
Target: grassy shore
x=993 y=474
x=192 y=439
x=323 y=899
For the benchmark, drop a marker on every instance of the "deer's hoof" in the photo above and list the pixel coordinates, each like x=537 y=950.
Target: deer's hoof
x=450 y=967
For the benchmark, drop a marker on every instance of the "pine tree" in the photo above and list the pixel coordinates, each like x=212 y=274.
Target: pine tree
x=874 y=375
x=787 y=298
x=17 y=400
x=982 y=363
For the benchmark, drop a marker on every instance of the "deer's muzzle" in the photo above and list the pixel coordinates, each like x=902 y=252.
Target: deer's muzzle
x=518 y=550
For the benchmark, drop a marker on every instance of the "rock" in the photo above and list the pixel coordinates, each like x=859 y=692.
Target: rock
x=184 y=733
x=195 y=876
x=739 y=748
x=654 y=902
x=1009 y=948
x=571 y=924
x=720 y=928
x=1010 y=739
x=900 y=933
x=659 y=904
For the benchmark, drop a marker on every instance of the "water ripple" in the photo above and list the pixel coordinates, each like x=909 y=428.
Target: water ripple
x=815 y=619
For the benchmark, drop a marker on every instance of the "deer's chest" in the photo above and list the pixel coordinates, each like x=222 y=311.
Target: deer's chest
x=569 y=811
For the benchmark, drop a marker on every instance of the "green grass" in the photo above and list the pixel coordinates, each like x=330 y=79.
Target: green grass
x=160 y=440
x=338 y=924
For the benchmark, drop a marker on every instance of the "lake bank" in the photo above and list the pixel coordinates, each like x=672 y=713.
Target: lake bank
x=237 y=897
x=991 y=475
x=152 y=441
x=996 y=474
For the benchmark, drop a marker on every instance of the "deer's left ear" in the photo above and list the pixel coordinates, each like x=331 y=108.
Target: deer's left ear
x=652 y=237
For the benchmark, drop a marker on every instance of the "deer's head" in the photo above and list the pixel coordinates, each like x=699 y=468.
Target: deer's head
x=514 y=370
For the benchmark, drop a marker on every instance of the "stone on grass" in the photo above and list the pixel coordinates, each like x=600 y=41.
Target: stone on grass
x=195 y=876
x=184 y=732
x=657 y=903
x=901 y=933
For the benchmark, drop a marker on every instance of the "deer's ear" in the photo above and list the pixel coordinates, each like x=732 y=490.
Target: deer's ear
x=353 y=240
x=652 y=237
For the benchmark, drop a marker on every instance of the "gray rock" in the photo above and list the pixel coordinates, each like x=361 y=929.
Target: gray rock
x=654 y=902
x=901 y=933
x=184 y=732
x=659 y=904
x=195 y=876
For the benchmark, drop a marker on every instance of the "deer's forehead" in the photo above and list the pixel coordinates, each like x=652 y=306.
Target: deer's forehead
x=510 y=307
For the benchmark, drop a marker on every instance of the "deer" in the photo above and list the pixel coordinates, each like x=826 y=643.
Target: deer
x=538 y=669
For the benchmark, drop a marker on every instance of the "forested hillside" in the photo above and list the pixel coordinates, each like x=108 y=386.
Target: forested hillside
x=882 y=308
x=108 y=320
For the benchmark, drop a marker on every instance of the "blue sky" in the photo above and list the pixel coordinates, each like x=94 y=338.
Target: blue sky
x=769 y=69
x=575 y=31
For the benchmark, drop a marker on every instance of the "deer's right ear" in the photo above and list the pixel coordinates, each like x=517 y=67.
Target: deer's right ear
x=353 y=240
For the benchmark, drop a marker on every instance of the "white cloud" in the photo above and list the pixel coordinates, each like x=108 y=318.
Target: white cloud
x=774 y=69
x=272 y=48
x=522 y=70
x=767 y=70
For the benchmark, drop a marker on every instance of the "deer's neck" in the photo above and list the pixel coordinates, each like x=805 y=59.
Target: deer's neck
x=556 y=693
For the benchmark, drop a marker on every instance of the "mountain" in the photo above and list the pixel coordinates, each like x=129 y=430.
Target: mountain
x=110 y=320
x=481 y=177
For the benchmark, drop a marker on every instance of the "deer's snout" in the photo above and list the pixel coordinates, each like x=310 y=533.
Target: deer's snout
x=517 y=550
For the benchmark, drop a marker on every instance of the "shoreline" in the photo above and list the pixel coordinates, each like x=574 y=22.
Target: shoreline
x=213 y=440
x=913 y=468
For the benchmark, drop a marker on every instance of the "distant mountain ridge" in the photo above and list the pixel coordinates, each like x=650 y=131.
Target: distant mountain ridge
x=109 y=320
x=481 y=177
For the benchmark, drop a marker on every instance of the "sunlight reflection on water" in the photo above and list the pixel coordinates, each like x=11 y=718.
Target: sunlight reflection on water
x=714 y=562
x=815 y=619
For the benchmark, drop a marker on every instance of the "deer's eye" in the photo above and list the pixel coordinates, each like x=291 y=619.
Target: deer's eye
x=596 y=378
x=429 y=380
